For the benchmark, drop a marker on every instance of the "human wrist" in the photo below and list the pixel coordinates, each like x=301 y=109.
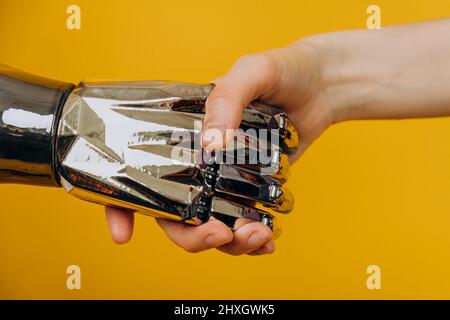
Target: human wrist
x=350 y=83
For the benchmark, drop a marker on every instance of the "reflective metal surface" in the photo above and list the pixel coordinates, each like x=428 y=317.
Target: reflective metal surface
x=28 y=117
x=119 y=144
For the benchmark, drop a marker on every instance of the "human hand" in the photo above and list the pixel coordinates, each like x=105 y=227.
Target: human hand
x=251 y=238
x=296 y=80
x=270 y=78
x=397 y=72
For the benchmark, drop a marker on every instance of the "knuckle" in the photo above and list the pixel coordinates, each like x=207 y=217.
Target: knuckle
x=222 y=235
x=263 y=62
x=227 y=237
x=265 y=233
x=189 y=247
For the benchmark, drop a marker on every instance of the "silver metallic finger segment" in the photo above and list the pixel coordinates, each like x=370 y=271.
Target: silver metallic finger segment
x=261 y=116
x=245 y=185
x=282 y=166
x=288 y=133
x=256 y=154
x=228 y=212
x=278 y=168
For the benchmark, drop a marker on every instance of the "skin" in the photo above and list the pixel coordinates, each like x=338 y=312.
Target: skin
x=394 y=73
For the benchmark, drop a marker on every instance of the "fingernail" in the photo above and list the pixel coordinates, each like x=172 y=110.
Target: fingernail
x=213 y=134
x=257 y=239
x=214 y=240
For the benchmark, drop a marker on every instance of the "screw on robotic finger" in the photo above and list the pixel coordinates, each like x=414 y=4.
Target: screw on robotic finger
x=203 y=211
x=267 y=221
x=282 y=125
x=210 y=175
x=274 y=192
x=210 y=171
x=203 y=207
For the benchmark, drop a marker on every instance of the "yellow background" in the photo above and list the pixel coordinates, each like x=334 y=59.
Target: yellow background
x=366 y=192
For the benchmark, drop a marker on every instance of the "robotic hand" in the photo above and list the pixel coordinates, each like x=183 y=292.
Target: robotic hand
x=136 y=145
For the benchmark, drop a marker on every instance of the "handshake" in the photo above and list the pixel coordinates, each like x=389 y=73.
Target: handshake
x=163 y=149
x=142 y=147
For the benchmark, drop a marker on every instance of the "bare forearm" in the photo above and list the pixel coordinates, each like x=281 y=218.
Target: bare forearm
x=396 y=72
